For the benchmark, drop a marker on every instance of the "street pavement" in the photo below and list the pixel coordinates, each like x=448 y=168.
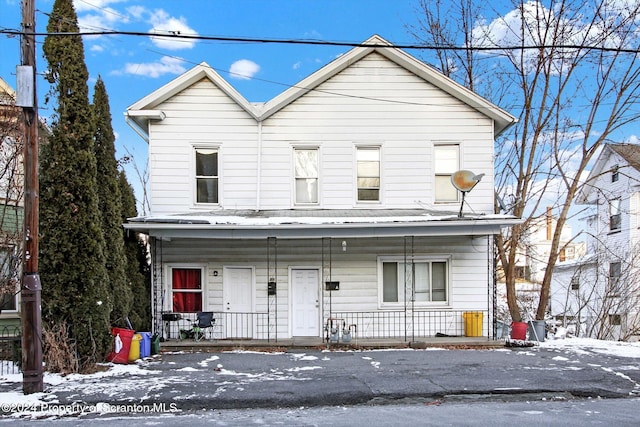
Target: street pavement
x=184 y=381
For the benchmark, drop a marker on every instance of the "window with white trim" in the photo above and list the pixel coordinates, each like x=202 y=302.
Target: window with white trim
x=615 y=173
x=368 y=171
x=615 y=219
x=8 y=279
x=446 y=161
x=206 y=175
x=306 y=171
x=423 y=282
x=186 y=289
x=615 y=282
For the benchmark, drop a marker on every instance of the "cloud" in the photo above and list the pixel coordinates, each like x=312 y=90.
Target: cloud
x=83 y=6
x=100 y=22
x=163 y=23
x=166 y=65
x=243 y=69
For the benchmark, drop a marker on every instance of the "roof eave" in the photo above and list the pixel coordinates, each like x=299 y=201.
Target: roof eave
x=459 y=227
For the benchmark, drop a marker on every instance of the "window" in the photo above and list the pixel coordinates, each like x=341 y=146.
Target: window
x=186 y=290
x=8 y=279
x=445 y=163
x=206 y=175
x=615 y=271
x=615 y=319
x=575 y=283
x=523 y=272
x=306 y=176
x=430 y=278
x=368 y=179
x=614 y=215
x=615 y=173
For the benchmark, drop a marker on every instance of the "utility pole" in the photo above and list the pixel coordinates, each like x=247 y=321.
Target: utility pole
x=30 y=284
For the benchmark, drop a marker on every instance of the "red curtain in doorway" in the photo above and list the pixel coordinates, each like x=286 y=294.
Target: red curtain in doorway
x=187 y=290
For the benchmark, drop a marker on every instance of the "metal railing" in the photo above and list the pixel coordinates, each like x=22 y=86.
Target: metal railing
x=416 y=324
x=226 y=325
x=10 y=350
x=370 y=324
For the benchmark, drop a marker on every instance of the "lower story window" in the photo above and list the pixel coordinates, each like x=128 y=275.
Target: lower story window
x=186 y=290
x=8 y=280
x=421 y=282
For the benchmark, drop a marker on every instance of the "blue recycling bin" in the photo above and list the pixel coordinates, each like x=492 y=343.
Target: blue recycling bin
x=145 y=344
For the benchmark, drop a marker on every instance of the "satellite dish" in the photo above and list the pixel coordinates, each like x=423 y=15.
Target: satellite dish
x=464 y=181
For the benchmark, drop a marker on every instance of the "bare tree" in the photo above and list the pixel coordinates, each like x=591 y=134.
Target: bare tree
x=11 y=193
x=143 y=179
x=569 y=71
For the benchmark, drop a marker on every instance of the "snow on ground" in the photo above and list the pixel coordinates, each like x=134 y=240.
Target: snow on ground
x=142 y=374
x=586 y=345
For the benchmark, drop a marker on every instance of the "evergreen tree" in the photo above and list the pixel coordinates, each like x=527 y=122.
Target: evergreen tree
x=110 y=205
x=138 y=272
x=72 y=262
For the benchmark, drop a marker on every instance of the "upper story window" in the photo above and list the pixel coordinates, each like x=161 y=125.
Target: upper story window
x=207 y=179
x=614 y=215
x=186 y=290
x=446 y=161
x=575 y=283
x=423 y=282
x=306 y=172
x=615 y=173
x=615 y=271
x=368 y=170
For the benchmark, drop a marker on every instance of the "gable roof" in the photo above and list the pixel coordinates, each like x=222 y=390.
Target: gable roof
x=139 y=113
x=7 y=94
x=630 y=153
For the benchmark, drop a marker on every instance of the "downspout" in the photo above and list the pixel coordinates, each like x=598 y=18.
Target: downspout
x=134 y=125
x=259 y=171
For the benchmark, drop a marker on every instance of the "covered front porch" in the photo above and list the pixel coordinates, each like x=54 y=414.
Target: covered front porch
x=392 y=275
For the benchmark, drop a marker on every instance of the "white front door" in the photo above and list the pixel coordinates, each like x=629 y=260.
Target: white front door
x=237 y=295
x=305 y=302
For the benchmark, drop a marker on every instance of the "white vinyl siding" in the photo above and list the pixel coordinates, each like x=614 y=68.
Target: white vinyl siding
x=406 y=129
x=357 y=270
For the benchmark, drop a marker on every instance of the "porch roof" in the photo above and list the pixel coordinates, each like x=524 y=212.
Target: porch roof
x=316 y=223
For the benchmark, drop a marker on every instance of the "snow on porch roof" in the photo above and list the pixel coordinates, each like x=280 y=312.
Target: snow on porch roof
x=309 y=223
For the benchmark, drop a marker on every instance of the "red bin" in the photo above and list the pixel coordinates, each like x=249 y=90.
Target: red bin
x=519 y=331
x=121 y=345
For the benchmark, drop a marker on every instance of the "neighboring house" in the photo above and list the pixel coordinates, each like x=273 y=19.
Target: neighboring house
x=531 y=263
x=329 y=205
x=599 y=294
x=11 y=206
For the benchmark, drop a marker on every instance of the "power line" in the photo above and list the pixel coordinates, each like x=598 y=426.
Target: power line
x=180 y=36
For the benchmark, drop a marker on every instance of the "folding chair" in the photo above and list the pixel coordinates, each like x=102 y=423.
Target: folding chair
x=204 y=320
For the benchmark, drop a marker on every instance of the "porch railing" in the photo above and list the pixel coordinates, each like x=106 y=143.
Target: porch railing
x=226 y=325
x=417 y=324
x=372 y=324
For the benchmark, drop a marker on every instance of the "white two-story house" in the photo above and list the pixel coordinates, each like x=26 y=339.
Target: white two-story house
x=330 y=205
x=599 y=294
